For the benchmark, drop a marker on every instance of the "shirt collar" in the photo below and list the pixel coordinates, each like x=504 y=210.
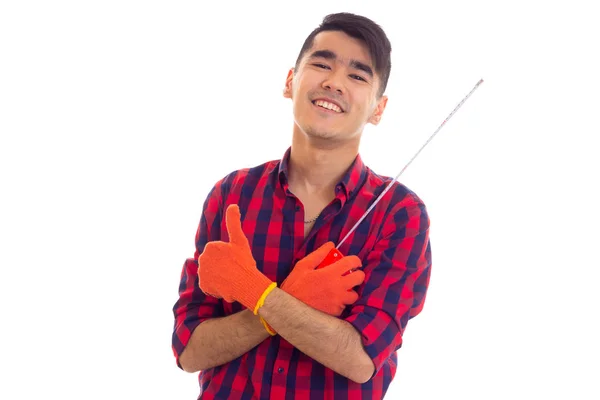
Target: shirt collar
x=346 y=187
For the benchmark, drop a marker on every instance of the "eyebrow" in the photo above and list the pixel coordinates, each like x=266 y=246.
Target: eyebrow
x=330 y=55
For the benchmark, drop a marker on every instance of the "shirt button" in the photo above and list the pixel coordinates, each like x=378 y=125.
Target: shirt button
x=297 y=208
x=280 y=370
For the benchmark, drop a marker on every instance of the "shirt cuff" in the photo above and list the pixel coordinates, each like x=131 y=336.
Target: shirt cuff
x=380 y=334
x=181 y=337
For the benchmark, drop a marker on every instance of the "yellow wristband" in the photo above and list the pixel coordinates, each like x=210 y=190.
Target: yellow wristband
x=261 y=300
x=267 y=327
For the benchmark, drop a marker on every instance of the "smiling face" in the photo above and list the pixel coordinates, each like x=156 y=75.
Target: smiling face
x=335 y=89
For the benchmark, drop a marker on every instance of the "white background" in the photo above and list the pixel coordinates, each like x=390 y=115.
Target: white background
x=117 y=117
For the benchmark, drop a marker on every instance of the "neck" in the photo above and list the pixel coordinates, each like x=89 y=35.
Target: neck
x=317 y=168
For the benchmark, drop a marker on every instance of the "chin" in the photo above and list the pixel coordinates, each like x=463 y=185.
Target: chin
x=321 y=132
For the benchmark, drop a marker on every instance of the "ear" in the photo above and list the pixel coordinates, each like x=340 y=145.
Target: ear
x=287 y=91
x=378 y=112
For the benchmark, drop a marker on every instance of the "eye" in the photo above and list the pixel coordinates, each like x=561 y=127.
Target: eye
x=358 y=78
x=321 y=66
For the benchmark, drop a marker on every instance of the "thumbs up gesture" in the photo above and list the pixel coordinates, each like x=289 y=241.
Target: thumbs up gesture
x=227 y=269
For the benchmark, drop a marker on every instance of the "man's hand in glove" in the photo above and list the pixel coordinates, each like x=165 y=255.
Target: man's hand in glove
x=326 y=289
x=228 y=270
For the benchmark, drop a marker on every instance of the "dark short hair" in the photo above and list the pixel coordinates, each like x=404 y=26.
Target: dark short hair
x=361 y=28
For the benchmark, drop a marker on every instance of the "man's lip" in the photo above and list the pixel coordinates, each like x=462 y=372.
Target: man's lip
x=329 y=101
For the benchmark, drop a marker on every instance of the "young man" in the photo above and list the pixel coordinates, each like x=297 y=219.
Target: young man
x=255 y=316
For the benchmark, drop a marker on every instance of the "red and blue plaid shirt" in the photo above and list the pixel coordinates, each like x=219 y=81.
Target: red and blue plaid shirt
x=392 y=241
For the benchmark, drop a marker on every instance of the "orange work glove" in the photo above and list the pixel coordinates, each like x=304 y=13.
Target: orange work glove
x=328 y=289
x=228 y=270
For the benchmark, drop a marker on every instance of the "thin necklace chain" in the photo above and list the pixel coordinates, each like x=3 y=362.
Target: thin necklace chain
x=312 y=220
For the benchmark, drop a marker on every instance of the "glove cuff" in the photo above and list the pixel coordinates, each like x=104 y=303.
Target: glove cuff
x=251 y=287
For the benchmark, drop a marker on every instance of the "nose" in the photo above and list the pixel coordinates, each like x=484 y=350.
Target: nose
x=333 y=82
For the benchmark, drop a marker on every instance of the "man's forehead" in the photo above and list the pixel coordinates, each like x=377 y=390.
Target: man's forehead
x=345 y=48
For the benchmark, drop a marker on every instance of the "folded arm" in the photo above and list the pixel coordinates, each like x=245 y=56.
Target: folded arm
x=331 y=341
x=219 y=340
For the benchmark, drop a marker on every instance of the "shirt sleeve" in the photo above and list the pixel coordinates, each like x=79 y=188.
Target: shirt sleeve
x=397 y=272
x=192 y=306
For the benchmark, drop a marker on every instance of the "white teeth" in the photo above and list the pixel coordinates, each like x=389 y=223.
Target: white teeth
x=327 y=105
